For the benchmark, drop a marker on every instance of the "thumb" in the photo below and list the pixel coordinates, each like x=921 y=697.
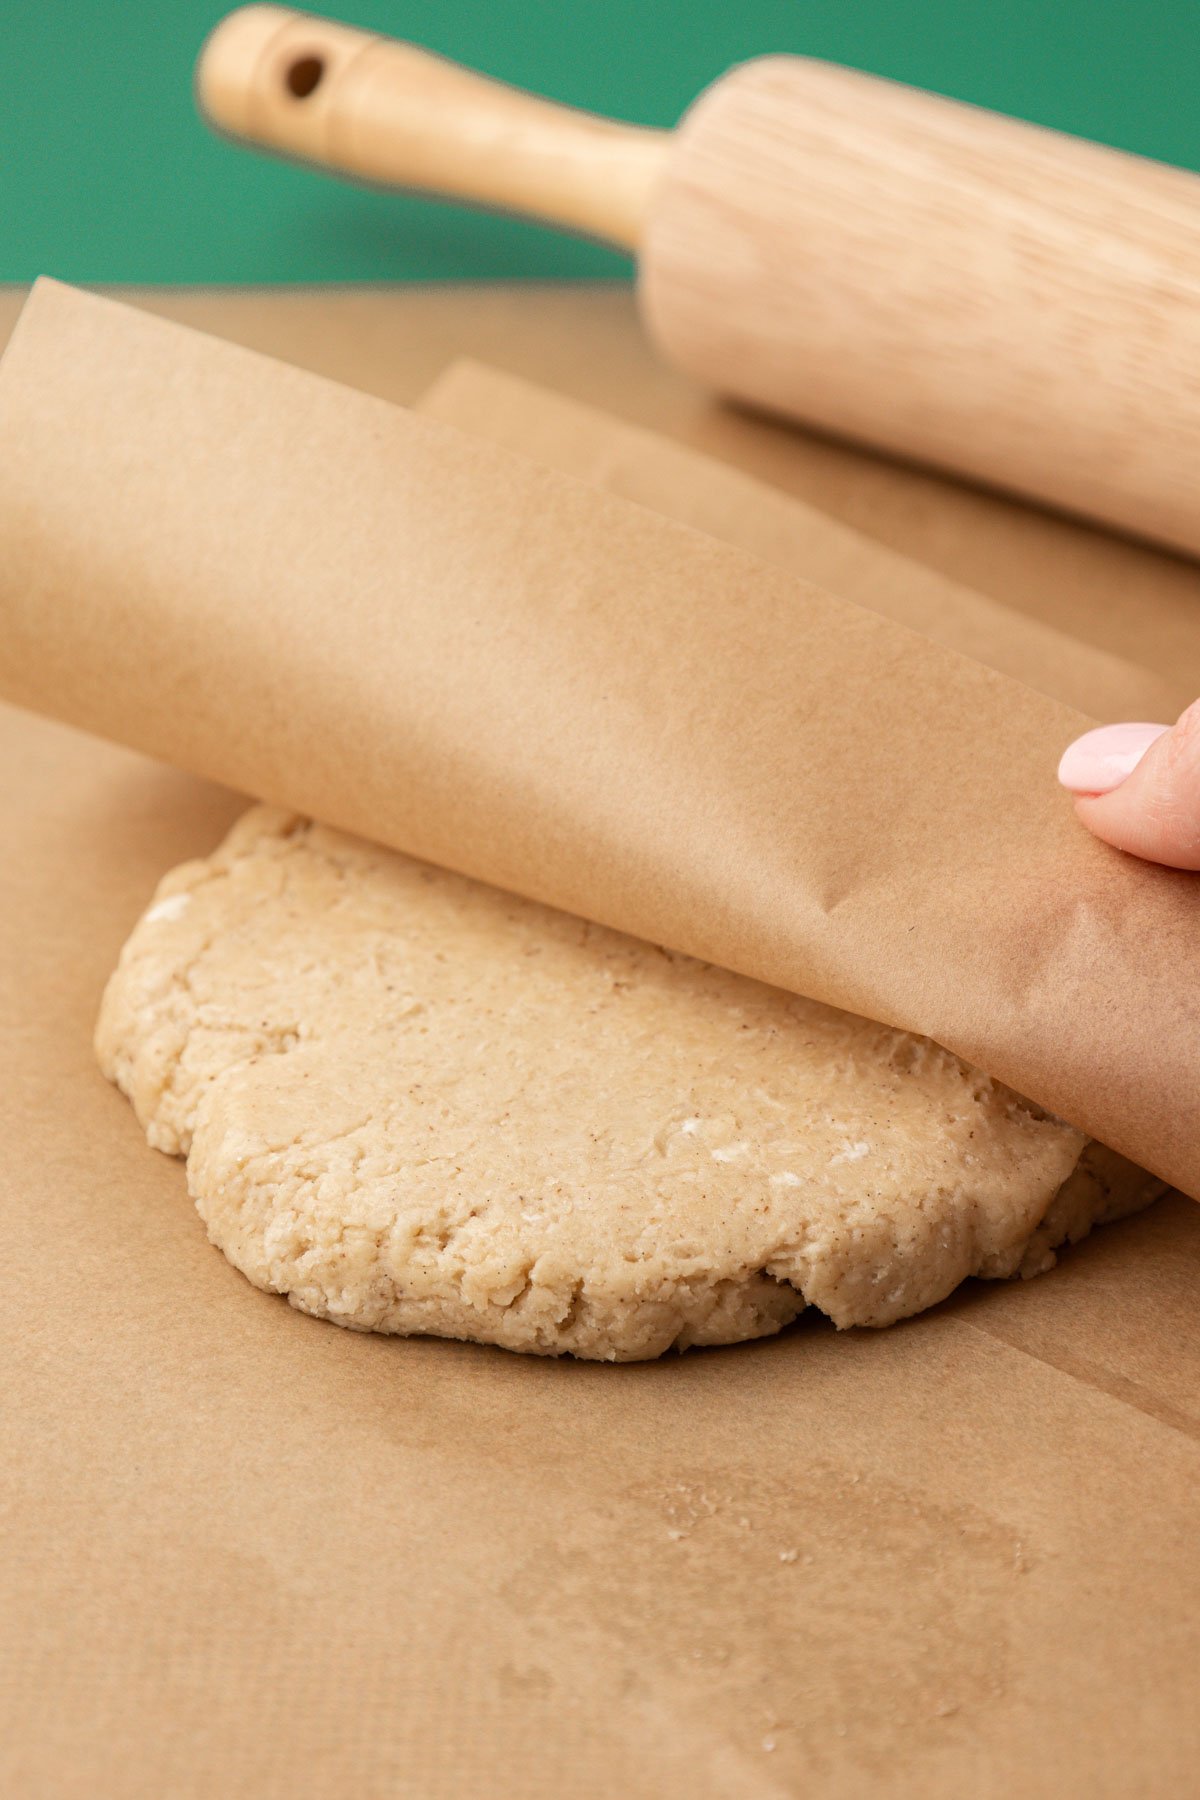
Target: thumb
x=1138 y=787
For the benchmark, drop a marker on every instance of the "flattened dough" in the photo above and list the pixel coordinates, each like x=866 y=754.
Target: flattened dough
x=412 y=1103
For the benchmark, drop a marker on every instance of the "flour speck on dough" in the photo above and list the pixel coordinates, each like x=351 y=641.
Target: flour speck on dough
x=414 y=1104
x=172 y=907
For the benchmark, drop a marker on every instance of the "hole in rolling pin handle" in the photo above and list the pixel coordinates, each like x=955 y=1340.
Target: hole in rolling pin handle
x=302 y=76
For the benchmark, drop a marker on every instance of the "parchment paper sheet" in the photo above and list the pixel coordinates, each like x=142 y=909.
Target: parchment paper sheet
x=293 y=588
x=246 y=1554
x=696 y=490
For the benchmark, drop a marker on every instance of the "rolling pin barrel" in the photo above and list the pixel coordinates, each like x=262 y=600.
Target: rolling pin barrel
x=917 y=274
x=953 y=286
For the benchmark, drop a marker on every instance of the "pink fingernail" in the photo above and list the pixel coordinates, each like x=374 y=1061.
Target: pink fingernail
x=1099 y=761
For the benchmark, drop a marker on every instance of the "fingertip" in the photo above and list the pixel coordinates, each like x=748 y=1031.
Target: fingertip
x=1102 y=759
x=1154 y=811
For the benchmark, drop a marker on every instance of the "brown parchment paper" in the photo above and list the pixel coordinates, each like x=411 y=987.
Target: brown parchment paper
x=333 y=603
x=249 y=1555
x=698 y=491
x=1136 y=602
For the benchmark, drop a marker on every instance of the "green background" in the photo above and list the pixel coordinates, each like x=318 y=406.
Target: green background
x=109 y=176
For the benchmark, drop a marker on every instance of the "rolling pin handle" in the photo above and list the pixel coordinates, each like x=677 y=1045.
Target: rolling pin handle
x=389 y=113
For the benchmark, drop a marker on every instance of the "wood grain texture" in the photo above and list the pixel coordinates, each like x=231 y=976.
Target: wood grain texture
x=956 y=287
x=390 y=113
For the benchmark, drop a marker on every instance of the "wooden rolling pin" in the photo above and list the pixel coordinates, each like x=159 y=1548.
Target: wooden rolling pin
x=953 y=286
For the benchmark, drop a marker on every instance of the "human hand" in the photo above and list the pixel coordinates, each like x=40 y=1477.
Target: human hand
x=1138 y=787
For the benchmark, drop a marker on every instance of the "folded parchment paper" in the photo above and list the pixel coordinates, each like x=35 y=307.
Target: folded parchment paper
x=325 y=600
x=690 y=487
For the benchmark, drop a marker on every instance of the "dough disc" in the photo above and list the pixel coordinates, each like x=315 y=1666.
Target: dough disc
x=412 y=1103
